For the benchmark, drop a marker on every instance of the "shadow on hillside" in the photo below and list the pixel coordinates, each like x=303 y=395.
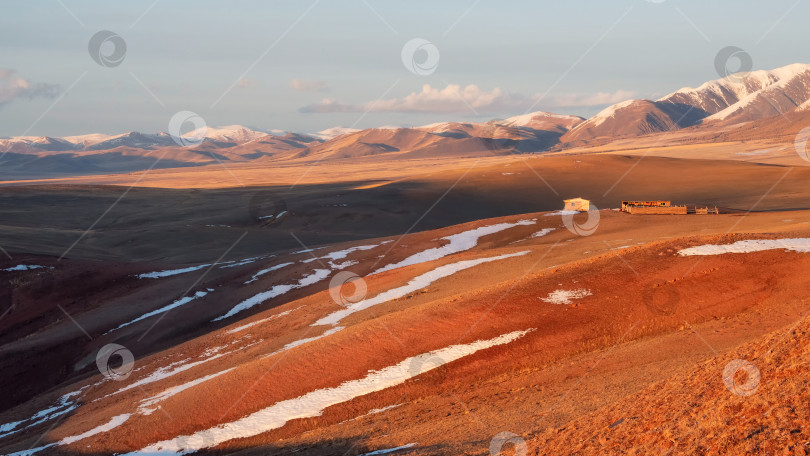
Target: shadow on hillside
x=354 y=446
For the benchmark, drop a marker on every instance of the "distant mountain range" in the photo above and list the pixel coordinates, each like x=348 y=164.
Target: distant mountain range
x=721 y=102
x=736 y=100
x=221 y=137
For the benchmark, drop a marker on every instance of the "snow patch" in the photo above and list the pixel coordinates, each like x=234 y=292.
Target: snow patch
x=106 y=427
x=606 y=114
x=751 y=245
x=177 y=303
x=305 y=340
x=458 y=243
x=341 y=254
x=415 y=284
x=63 y=406
x=390 y=450
x=233 y=264
x=166 y=372
x=171 y=272
x=566 y=296
x=147 y=405
x=263 y=320
x=542 y=232
x=265 y=271
x=551 y=214
x=24 y=267
x=313 y=403
x=334 y=132
x=278 y=290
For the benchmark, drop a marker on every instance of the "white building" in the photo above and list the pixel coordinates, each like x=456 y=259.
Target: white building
x=577 y=204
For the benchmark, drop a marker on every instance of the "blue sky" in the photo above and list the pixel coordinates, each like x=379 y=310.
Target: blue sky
x=497 y=57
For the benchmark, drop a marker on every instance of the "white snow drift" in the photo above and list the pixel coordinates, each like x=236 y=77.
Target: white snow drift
x=65 y=404
x=278 y=290
x=341 y=254
x=750 y=245
x=458 y=243
x=263 y=320
x=182 y=301
x=266 y=270
x=566 y=296
x=106 y=427
x=23 y=267
x=148 y=405
x=305 y=340
x=171 y=272
x=415 y=284
x=313 y=403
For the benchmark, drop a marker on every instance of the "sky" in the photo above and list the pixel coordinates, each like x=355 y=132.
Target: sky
x=308 y=65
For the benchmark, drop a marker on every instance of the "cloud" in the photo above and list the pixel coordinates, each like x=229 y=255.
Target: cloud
x=453 y=98
x=470 y=99
x=308 y=86
x=13 y=87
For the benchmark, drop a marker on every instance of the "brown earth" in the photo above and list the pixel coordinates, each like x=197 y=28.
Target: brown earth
x=652 y=316
x=198 y=225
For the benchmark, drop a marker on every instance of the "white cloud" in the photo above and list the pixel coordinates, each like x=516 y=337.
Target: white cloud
x=471 y=99
x=13 y=87
x=307 y=86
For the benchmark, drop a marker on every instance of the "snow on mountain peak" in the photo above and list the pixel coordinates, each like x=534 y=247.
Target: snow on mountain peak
x=723 y=97
x=333 y=132
x=525 y=119
x=229 y=133
x=607 y=113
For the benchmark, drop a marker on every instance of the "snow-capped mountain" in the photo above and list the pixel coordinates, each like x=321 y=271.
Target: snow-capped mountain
x=135 y=140
x=541 y=120
x=87 y=140
x=738 y=98
x=785 y=87
x=634 y=118
x=35 y=143
x=226 y=136
x=755 y=96
x=236 y=134
x=333 y=132
x=530 y=133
